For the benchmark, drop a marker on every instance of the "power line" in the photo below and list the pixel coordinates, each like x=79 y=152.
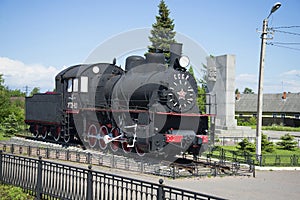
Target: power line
x=297 y=49
x=287 y=43
x=278 y=27
x=292 y=33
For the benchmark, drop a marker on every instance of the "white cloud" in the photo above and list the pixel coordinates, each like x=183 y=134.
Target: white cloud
x=293 y=72
x=246 y=80
x=288 y=81
x=17 y=75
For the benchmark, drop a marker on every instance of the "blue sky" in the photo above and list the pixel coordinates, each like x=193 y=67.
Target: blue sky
x=39 y=38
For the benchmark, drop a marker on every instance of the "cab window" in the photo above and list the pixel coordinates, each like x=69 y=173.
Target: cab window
x=84 y=84
x=75 y=85
x=70 y=85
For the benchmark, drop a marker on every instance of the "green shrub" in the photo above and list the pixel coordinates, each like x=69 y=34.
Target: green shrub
x=266 y=146
x=8 y=192
x=247 y=146
x=287 y=142
x=9 y=126
x=246 y=121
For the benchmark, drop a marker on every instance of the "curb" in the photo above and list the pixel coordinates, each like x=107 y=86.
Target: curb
x=277 y=168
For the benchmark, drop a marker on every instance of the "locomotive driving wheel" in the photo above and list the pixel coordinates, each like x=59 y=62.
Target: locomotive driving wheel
x=67 y=137
x=125 y=147
x=56 y=132
x=114 y=145
x=92 y=135
x=44 y=132
x=103 y=131
x=139 y=150
x=35 y=131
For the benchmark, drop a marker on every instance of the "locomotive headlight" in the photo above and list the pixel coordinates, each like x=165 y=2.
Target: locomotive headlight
x=184 y=61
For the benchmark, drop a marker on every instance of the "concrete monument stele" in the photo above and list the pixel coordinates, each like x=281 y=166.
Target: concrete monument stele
x=221 y=82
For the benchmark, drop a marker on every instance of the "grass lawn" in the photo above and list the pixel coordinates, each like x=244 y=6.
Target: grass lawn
x=279 y=128
x=279 y=157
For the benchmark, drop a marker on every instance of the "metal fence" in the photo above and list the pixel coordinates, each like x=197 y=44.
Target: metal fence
x=248 y=158
x=50 y=180
x=143 y=165
x=230 y=140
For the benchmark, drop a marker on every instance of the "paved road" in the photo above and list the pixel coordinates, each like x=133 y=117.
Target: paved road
x=267 y=185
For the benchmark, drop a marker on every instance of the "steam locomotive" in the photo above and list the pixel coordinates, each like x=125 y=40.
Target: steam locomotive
x=150 y=107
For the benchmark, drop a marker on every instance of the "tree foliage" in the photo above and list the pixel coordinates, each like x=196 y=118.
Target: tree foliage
x=247 y=146
x=8 y=192
x=162 y=33
x=248 y=91
x=201 y=98
x=266 y=145
x=252 y=121
x=11 y=108
x=287 y=142
x=34 y=91
x=9 y=126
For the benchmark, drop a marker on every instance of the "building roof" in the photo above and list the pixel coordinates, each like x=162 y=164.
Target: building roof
x=272 y=103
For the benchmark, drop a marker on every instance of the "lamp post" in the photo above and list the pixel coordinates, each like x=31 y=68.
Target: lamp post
x=261 y=79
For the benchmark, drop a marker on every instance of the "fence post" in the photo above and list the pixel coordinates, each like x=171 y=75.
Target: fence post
x=39 y=179
x=174 y=172
x=89 y=190
x=253 y=165
x=142 y=166
x=260 y=160
x=29 y=150
x=47 y=153
x=215 y=167
x=88 y=158
x=293 y=160
x=160 y=192
x=12 y=148
x=67 y=155
x=1 y=176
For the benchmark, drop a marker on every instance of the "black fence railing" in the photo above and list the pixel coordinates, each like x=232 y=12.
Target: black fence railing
x=231 y=141
x=248 y=158
x=50 y=180
x=209 y=167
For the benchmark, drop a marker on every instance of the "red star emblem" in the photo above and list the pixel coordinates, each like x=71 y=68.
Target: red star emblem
x=181 y=94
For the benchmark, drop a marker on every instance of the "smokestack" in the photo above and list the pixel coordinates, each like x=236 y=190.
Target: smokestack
x=175 y=52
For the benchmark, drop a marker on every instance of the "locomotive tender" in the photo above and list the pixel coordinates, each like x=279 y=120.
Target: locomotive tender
x=150 y=107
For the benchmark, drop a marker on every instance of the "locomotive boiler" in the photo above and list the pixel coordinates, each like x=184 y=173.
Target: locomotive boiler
x=148 y=107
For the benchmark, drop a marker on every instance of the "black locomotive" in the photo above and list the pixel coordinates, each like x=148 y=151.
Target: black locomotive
x=150 y=107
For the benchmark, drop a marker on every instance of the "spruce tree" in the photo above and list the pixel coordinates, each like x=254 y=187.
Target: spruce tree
x=266 y=145
x=287 y=142
x=162 y=33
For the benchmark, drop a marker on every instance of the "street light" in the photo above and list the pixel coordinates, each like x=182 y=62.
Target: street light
x=261 y=79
